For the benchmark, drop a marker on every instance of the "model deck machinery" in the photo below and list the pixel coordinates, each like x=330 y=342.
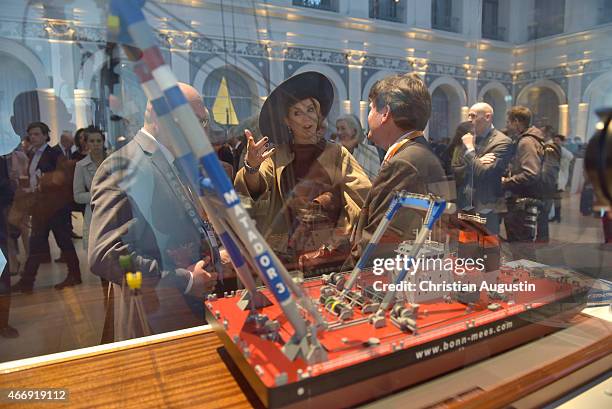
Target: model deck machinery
x=336 y=339
x=372 y=342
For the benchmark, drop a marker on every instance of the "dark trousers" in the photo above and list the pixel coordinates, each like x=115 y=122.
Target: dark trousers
x=607 y=227
x=516 y=229
x=5 y=279
x=523 y=224
x=59 y=224
x=557 y=204
x=543 y=232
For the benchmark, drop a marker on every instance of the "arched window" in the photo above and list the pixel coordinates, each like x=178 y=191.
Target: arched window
x=544 y=105
x=238 y=89
x=600 y=97
x=438 y=123
x=445 y=112
x=15 y=78
x=496 y=99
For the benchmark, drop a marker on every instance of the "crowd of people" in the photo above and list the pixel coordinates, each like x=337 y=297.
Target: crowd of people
x=293 y=170
x=41 y=186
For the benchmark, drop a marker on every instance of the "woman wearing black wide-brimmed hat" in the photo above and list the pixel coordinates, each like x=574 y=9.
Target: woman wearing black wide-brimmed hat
x=292 y=174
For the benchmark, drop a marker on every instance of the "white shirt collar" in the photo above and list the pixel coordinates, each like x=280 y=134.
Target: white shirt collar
x=169 y=156
x=147 y=134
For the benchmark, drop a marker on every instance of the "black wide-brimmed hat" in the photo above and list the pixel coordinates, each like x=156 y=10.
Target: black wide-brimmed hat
x=297 y=88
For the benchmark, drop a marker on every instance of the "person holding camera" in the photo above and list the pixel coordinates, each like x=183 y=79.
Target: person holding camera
x=523 y=185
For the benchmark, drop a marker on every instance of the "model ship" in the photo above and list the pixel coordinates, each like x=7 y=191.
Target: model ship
x=307 y=343
x=372 y=341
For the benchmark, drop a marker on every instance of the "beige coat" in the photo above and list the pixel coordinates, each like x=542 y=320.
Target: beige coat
x=343 y=170
x=81 y=187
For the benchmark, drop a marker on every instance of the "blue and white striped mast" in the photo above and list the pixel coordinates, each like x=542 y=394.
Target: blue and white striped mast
x=198 y=160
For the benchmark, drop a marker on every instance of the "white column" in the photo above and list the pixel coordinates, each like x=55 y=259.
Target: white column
x=582 y=121
x=82 y=108
x=472 y=90
x=62 y=67
x=180 y=44
x=470 y=16
x=564 y=119
x=276 y=56
x=60 y=98
x=418 y=13
x=574 y=96
x=363 y=114
x=354 y=88
x=576 y=15
x=180 y=65
x=355 y=64
x=521 y=16
x=356 y=8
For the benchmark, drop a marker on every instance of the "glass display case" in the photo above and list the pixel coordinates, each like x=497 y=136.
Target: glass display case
x=358 y=198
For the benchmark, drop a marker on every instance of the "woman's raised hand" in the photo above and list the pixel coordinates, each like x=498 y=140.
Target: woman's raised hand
x=257 y=152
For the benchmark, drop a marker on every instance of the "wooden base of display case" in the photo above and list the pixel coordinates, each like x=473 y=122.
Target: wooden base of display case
x=192 y=372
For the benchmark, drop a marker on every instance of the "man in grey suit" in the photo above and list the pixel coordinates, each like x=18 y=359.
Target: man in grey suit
x=141 y=210
x=487 y=154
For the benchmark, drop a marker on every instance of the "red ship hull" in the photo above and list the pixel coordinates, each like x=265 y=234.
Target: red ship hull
x=449 y=337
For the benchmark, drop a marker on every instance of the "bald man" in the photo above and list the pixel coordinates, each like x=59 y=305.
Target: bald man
x=141 y=211
x=487 y=152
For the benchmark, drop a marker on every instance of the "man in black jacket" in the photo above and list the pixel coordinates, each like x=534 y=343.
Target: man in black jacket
x=487 y=153
x=400 y=109
x=525 y=206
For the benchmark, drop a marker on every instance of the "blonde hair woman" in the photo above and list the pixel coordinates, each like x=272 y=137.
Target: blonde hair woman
x=351 y=136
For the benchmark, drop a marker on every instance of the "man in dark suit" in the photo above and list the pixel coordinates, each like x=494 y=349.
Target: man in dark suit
x=141 y=211
x=486 y=157
x=65 y=144
x=400 y=106
x=41 y=105
x=50 y=211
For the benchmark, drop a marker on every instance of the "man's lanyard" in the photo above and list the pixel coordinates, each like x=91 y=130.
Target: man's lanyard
x=397 y=145
x=187 y=199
